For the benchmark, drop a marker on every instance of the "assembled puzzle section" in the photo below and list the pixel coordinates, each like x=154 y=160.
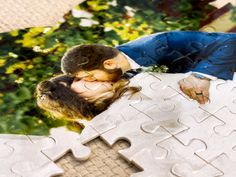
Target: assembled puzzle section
x=22 y=158
x=169 y=134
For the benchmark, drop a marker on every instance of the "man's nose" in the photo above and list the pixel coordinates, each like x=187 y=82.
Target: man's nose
x=89 y=78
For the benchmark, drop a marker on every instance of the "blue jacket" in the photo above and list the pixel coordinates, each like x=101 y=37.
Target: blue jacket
x=183 y=51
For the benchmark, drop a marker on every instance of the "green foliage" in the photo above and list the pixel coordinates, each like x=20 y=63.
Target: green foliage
x=234 y=13
x=32 y=55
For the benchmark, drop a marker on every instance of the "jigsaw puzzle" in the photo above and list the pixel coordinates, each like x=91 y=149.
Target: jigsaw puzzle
x=169 y=135
x=22 y=158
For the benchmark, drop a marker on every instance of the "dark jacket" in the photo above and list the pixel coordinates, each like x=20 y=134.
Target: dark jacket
x=183 y=51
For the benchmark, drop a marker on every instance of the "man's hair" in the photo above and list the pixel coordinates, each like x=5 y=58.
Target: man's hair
x=86 y=57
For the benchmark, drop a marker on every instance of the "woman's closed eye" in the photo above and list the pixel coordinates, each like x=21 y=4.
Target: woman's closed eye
x=91 y=89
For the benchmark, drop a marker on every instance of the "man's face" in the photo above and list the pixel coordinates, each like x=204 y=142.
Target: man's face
x=93 y=91
x=99 y=75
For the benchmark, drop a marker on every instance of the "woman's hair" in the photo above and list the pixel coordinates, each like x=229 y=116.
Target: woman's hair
x=56 y=97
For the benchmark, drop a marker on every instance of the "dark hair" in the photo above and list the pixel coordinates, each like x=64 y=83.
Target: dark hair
x=56 y=97
x=86 y=57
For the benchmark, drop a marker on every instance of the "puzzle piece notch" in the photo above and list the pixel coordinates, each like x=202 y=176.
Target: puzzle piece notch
x=29 y=153
x=185 y=170
x=64 y=141
x=229 y=120
x=161 y=159
x=131 y=131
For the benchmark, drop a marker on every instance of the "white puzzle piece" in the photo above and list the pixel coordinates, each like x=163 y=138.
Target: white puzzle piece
x=131 y=131
x=216 y=145
x=163 y=113
x=153 y=86
x=185 y=170
x=225 y=165
x=160 y=160
x=229 y=120
x=64 y=141
x=222 y=93
x=27 y=159
x=197 y=130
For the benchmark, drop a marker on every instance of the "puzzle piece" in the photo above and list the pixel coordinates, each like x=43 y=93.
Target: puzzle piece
x=170 y=80
x=88 y=134
x=149 y=160
x=163 y=115
x=153 y=86
x=216 y=145
x=203 y=130
x=6 y=151
x=185 y=170
x=131 y=131
x=118 y=112
x=64 y=140
x=225 y=165
x=27 y=159
x=229 y=120
x=189 y=107
x=160 y=160
x=222 y=93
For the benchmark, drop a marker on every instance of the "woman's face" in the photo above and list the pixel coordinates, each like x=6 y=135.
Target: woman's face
x=93 y=91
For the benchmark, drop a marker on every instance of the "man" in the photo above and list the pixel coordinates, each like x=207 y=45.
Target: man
x=207 y=55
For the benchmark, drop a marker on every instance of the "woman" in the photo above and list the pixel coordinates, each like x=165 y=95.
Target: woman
x=66 y=97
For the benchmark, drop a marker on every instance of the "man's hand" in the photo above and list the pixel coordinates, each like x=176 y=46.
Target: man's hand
x=196 y=88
